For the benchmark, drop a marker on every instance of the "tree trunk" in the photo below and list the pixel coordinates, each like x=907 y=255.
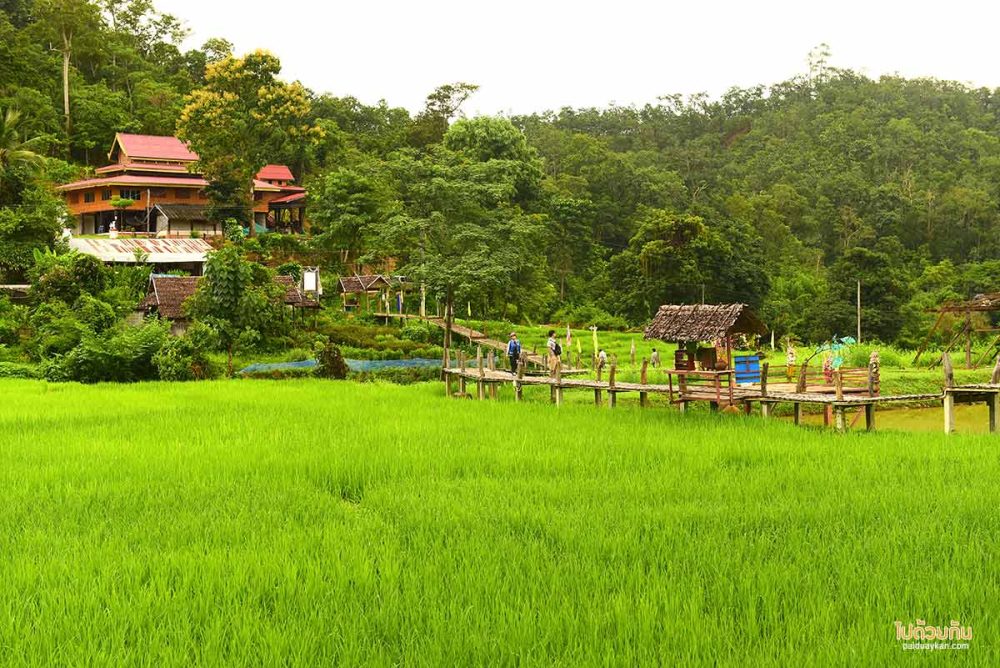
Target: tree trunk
x=66 y=53
x=449 y=316
x=229 y=361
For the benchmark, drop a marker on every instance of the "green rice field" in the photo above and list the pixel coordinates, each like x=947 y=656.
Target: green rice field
x=262 y=523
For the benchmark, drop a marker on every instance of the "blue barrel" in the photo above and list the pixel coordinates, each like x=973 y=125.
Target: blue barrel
x=747 y=369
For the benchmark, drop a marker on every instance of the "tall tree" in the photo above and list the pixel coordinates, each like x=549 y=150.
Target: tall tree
x=240 y=119
x=238 y=299
x=64 y=23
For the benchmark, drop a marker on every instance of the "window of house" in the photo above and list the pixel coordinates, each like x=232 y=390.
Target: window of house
x=73 y=198
x=160 y=192
x=106 y=194
x=182 y=193
x=130 y=193
x=88 y=197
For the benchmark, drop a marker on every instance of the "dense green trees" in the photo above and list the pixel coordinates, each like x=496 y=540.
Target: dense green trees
x=782 y=196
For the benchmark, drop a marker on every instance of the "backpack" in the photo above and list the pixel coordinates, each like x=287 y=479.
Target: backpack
x=557 y=350
x=516 y=351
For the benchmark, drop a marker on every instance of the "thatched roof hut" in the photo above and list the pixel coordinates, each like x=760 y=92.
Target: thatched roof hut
x=703 y=322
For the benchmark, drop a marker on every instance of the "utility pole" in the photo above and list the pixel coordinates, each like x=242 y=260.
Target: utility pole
x=859 y=311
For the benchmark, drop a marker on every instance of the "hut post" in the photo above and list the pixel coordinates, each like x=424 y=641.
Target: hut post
x=763 y=379
x=800 y=387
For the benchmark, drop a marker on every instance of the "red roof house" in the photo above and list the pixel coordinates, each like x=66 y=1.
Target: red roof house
x=155 y=172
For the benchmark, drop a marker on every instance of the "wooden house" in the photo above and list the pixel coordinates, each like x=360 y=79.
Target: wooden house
x=168 y=198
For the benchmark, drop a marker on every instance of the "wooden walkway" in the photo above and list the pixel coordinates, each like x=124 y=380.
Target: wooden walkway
x=476 y=337
x=487 y=381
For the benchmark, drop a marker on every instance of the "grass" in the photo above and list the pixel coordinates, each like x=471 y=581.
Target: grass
x=318 y=523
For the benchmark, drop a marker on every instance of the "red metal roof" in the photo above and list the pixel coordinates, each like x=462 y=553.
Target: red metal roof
x=287 y=199
x=154 y=147
x=137 y=180
x=276 y=173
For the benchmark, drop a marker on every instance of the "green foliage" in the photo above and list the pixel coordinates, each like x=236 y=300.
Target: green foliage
x=587 y=316
x=17 y=370
x=12 y=321
x=66 y=277
x=186 y=357
x=293 y=269
x=56 y=330
x=94 y=313
x=239 y=300
x=123 y=356
x=330 y=361
x=421 y=332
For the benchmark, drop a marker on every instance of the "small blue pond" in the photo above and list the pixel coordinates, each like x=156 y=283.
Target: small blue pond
x=353 y=365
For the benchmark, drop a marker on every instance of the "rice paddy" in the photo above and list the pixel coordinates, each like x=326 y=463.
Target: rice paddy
x=322 y=523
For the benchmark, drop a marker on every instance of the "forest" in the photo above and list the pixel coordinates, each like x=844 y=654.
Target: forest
x=782 y=196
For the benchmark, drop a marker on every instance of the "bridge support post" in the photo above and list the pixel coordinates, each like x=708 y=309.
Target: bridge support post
x=797 y=413
x=949 y=412
x=765 y=409
x=994 y=406
x=840 y=420
x=870 y=417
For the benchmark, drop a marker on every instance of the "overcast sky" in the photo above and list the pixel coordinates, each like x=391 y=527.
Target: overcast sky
x=545 y=54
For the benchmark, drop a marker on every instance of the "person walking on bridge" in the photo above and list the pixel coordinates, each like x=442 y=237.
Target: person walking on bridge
x=555 y=350
x=513 y=352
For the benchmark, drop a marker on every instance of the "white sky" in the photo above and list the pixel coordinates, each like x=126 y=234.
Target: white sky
x=545 y=54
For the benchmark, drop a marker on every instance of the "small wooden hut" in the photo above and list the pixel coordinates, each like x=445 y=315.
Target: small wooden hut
x=697 y=323
x=354 y=289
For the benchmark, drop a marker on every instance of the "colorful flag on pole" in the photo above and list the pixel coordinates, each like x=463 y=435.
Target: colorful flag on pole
x=594 y=331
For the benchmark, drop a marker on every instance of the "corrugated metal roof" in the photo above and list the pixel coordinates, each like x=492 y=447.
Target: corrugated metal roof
x=158 y=251
x=183 y=212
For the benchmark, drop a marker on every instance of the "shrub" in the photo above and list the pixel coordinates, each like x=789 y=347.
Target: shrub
x=293 y=269
x=421 y=332
x=399 y=376
x=585 y=316
x=12 y=319
x=15 y=370
x=94 y=313
x=186 y=357
x=57 y=330
x=124 y=357
x=331 y=362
